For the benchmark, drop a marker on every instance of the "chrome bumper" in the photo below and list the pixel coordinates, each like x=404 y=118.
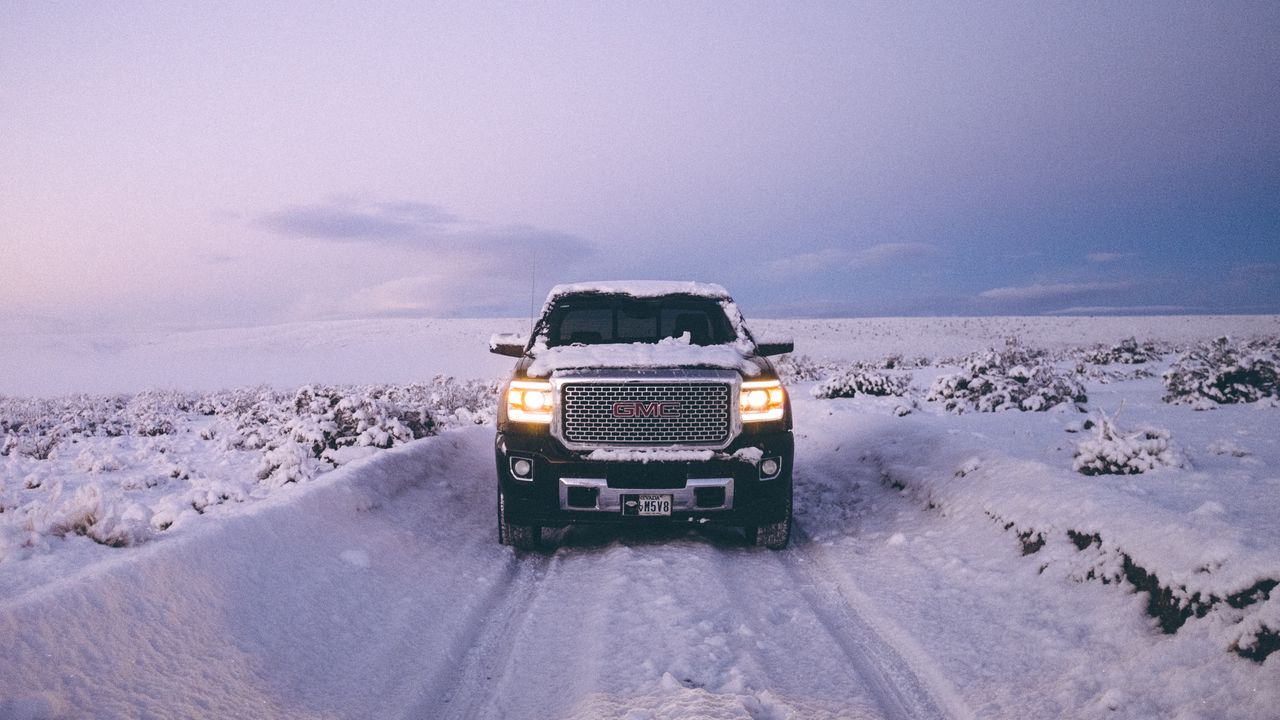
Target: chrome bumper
x=610 y=499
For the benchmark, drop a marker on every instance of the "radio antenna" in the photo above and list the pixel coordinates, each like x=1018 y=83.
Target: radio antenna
x=533 y=276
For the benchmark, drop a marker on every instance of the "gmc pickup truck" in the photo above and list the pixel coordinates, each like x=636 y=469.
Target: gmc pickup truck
x=642 y=402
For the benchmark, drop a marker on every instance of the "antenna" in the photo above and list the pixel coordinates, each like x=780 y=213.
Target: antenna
x=533 y=276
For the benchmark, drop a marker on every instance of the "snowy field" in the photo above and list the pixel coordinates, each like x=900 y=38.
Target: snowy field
x=298 y=521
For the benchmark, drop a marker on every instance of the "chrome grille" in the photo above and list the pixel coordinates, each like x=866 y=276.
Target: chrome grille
x=588 y=413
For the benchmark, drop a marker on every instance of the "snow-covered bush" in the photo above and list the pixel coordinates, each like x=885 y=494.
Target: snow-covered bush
x=119 y=468
x=107 y=520
x=1112 y=452
x=35 y=427
x=897 y=361
x=862 y=382
x=1223 y=372
x=452 y=402
x=247 y=418
x=802 y=368
x=1011 y=379
x=1105 y=375
x=93 y=463
x=1126 y=352
x=318 y=418
x=289 y=462
x=329 y=417
x=155 y=412
x=326 y=418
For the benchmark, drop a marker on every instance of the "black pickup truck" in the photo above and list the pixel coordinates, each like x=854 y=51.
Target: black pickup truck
x=642 y=402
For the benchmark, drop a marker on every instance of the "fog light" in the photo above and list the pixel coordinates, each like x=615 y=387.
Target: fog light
x=770 y=467
x=521 y=468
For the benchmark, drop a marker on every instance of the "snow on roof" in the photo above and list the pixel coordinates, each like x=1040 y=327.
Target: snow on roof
x=642 y=288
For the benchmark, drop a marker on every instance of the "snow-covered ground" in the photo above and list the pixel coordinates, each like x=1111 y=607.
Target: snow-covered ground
x=37 y=362
x=186 y=554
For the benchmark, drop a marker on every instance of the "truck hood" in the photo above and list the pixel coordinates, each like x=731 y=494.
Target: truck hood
x=669 y=353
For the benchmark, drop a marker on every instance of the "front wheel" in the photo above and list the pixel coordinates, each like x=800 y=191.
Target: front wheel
x=774 y=536
x=521 y=537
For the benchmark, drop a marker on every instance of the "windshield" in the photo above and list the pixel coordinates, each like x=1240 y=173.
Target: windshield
x=601 y=319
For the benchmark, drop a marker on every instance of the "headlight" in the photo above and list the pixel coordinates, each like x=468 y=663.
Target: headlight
x=529 y=401
x=762 y=400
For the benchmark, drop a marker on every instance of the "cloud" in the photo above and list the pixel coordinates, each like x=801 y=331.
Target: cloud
x=1055 y=291
x=219 y=258
x=343 y=221
x=1259 y=273
x=1125 y=310
x=418 y=225
x=829 y=259
x=397 y=259
x=885 y=252
x=452 y=291
x=450 y=284
x=1106 y=256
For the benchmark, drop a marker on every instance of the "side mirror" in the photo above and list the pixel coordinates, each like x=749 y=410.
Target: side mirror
x=775 y=346
x=509 y=344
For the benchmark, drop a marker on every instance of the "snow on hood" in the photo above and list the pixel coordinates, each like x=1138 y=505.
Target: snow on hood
x=666 y=353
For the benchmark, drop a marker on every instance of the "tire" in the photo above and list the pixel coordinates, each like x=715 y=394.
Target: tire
x=774 y=536
x=521 y=537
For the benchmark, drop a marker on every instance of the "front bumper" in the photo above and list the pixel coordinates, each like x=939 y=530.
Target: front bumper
x=567 y=487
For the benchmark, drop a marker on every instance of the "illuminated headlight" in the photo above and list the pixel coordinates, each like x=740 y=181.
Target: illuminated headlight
x=762 y=400
x=529 y=401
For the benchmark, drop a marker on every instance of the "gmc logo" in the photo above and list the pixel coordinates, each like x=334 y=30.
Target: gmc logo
x=639 y=409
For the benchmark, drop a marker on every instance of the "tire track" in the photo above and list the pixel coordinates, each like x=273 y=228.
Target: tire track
x=901 y=688
x=780 y=654
x=484 y=648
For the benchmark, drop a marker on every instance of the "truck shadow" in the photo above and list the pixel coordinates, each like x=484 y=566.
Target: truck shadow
x=595 y=538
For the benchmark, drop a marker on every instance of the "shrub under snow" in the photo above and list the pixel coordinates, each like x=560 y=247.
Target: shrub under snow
x=802 y=368
x=862 y=382
x=117 y=468
x=1112 y=452
x=1126 y=352
x=1223 y=372
x=1011 y=379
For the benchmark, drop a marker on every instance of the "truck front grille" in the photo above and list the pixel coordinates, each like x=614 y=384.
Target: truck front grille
x=646 y=413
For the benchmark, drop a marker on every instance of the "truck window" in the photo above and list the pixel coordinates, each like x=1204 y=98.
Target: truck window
x=602 y=319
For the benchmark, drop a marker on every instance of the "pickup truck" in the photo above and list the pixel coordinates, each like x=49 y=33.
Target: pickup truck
x=642 y=402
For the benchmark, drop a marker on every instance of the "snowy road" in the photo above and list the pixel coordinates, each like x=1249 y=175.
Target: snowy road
x=679 y=627
x=388 y=596
x=379 y=590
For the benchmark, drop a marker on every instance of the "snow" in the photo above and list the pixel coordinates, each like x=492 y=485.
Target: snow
x=645 y=456
x=668 y=352
x=750 y=455
x=943 y=565
x=405 y=350
x=641 y=289
x=394 y=350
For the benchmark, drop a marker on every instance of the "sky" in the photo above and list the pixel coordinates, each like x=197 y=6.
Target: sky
x=187 y=165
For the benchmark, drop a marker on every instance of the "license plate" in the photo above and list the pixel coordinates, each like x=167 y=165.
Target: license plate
x=646 y=505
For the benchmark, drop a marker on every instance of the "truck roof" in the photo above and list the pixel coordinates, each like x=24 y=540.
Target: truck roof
x=641 y=289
